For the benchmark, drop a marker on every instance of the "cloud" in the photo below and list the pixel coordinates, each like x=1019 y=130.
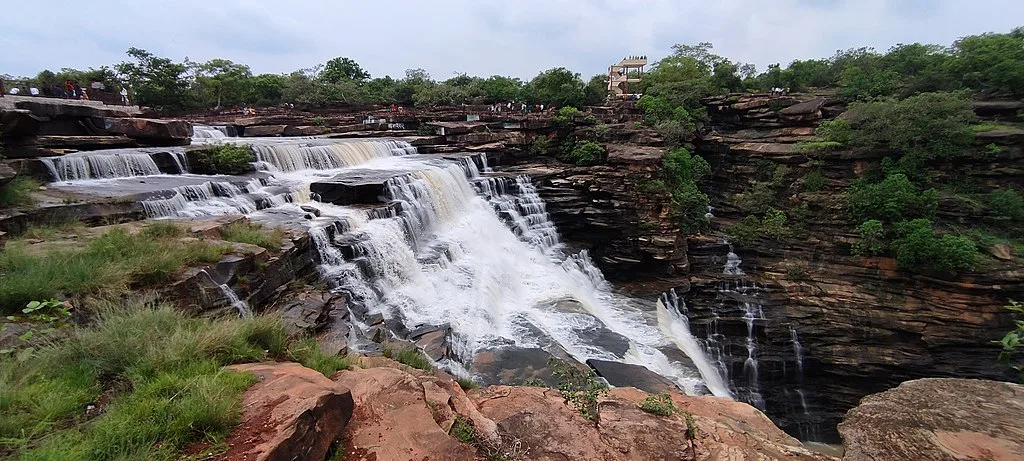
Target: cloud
x=518 y=38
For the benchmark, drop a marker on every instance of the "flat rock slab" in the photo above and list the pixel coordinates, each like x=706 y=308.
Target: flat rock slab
x=292 y=413
x=620 y=374
x=938 y=419
x=264 y=130
x=149 y=129
x=361 y=186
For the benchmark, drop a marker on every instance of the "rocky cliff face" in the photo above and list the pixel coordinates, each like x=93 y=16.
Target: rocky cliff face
x=827 y=327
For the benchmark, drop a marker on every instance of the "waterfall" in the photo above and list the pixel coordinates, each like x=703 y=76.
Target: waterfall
x=732 y=264
x=220 y=198
x=798 y=351
x=324 y=154
x=673 y=321
x=120 y=163
x=209 y=132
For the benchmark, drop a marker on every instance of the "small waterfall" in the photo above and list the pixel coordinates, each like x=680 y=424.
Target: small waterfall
x=180 y=160
x=209 y=132
x=517 y=202
x=100 y=165
x=752 y=313
x=234 y=301
x=798 y=351
x=220 y=198
x=325 y=154
x=732 y=264
x=673 y=321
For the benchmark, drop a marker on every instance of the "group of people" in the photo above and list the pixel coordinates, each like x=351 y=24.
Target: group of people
x=511 y=106
x=69 y=90
x=779 y=91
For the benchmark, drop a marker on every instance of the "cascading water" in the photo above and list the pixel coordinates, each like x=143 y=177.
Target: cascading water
x=107 y=164
x=204 y=132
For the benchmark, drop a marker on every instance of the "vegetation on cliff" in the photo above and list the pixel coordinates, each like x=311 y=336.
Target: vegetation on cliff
x=223 y=159
x=1013 y=342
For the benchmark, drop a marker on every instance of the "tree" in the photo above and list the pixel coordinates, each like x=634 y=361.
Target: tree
x=343 y=69
x=924 y=126
x=155 y=81
x=221 y=81
x=596 y=91
x=267 y=89
x=920 y=249
x=558 y=87
x=992 y=62
x=498 y=89
x=893 y=200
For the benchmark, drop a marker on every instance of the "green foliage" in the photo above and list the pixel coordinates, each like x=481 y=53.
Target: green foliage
x=814 y=181
x=557 y=87
x=563 y=117
x=540 y=145
x=343 y=69
x=578 y=387
x=155 y=81
x=659 y=404
x=652 y=186
x=920 y=249
x=757 y=199
x=254 y=234
x=924 y=126
x=308 y=352
x=223 y=82
x=114 y=262
x=158 y=371
x=871 y=239
x=467 y=383
x=836 y=131
x=409 y=356
x=225 y=159
x=586 y=153
x=1013 y=342
x=682 y=166
x=1006 y=204
x=895 y=199
x=774 y=224
x=683 y=172
x=18 y=192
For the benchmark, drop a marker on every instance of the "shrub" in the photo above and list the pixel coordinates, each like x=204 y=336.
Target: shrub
x=893 y=200
x=1013 y=343
x=690 y=208
x=659 y=404
x=586 y=153
x=1007 y=204
x=563 y=117
x=540 y=145
x=919 y=249
x=467 y=383
x=925 y=126
x=578 y=387
x=773 y=224
x=242 y=231
x=871 y=239
x=814 y=181
x=652 y=186
x=745 y=232
x=308 y=352
x=409 y=356
x=18 y=192
x=758 y=199
x=681 y=166
x=224 y=159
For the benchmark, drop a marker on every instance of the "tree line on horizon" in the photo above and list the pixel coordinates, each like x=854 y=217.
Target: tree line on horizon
x=991 y=64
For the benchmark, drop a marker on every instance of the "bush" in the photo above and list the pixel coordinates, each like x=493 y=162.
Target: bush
x=158 y=371
x=814 y=181
x=924 y=126
x=112 y=263
x=1006 y=204
x=254 y=234
x=563 y=117
x=681 y=166
x=1013 y=343
x=919 y=249
x=578 y=387
x=586 y=153
x=758 y=199
x=467 y=383
x=871 y=239
x=659 y=404
x=746 y=232
x=895 y=199
x=772 y=225
x=18 y=192
x=224 y=159
x=690 y=208
x=410 y=356
x=540 y=145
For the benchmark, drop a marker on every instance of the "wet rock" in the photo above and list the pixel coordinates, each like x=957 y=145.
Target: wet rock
x=512 y=365
x=7 y=174
x=293 y=412
x=626 y=375
x=355 y=187
x=311 y=210
x=938 y=419
x=309 y=312
x=263 y=130
x=151 y=131
x=433 y=341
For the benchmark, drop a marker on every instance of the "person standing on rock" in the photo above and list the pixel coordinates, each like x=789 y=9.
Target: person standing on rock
x=124 y=96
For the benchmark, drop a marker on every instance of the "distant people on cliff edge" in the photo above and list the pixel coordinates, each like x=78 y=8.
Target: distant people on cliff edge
x=124 y=96
x=69 y=89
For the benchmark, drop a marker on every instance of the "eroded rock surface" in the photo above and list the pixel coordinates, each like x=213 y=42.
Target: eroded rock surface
x=938 y=419
x=292 y=413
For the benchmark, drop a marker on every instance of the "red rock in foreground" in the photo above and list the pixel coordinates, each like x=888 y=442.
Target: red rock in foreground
x=292 y=413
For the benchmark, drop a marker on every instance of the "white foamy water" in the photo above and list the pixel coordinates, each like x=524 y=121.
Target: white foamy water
x=461 y=248
x=119 y=163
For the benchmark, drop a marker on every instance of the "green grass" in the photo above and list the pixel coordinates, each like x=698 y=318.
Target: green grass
x=467 y=384
x=410 y=356
x=307 y=352
x=253 y=234
x=115 y=262
x=155 y=373
x=18 y=192
x=986 y=127
x=224 y=159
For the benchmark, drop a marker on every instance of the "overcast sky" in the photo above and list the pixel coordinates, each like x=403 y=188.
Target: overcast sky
x=479 y=37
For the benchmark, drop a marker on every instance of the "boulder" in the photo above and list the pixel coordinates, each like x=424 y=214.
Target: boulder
x=150 y=130
x=355 y=186
x=806 y=111
x=264 y=130
x=626 y=375
x=307 y=130
x=7 y=174
x=293 y=412
x=938 y=419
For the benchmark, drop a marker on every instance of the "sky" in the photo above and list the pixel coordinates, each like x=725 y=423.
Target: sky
x=479 y=37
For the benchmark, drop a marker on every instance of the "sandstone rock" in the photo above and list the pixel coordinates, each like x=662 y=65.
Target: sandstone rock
x=292 y=130
x=150 y=130
x=551 y=430
x=626 y=375
x=393 y=421
x=1002 y=251
x=293 y=412
x=938 y=419
x=264 y=130
x=355 y=186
